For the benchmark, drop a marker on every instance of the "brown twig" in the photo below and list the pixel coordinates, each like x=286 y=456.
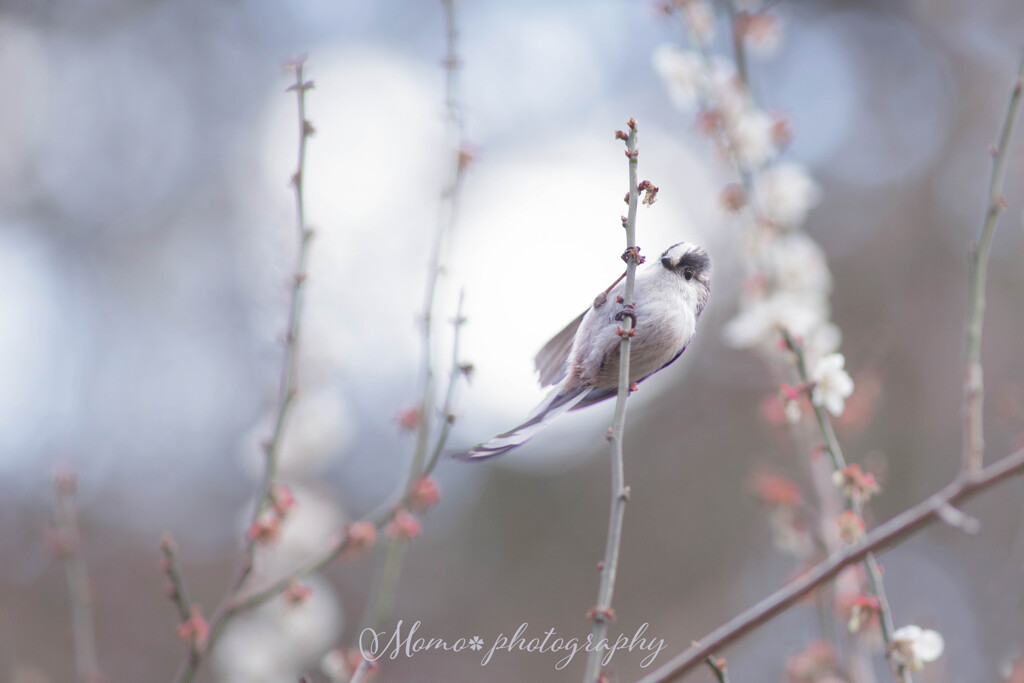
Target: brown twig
x=602 y=613
x=974 y=440
x=891 y=533
x=66 y=543
x=286 y=392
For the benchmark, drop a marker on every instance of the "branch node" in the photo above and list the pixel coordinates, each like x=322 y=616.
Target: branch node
x=958 y=519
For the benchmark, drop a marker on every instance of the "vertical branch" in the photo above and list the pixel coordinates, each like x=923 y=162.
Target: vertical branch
x=603 y=613
x=446 y=221
x=382 y=601
x=974 y=440
x=286 y=391
x=871 y=566
x=66 y=543
x=738 y=48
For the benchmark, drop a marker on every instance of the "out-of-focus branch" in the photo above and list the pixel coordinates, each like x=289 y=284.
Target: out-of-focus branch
x=717 y=667
x=287 y=390
x=739 y=49
x=887 y=535
x=176 y=583
x=382 y=600
x=852 y=503
x=602 y=613
x=381 y=517
x=66 y=543
x=974 y=439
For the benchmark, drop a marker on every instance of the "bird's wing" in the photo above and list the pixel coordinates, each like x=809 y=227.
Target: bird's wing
x=552 y=361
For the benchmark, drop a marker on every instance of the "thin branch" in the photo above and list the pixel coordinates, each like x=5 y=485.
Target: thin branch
x=384 y=591
x=717 y=667
x=738 y=47
x=287 y=390
x=602 y=613
x=176 y=586
x=379 y=518
x=974 y=440
x=66 y=543
x=874 y=572
x=885 y=536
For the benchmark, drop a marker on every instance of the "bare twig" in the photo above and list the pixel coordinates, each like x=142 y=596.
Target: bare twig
x=885 y=536
x=176 y=583
x=974 y=440
x=66 y=543
x=382 y=600
x=381 y=517
x=602 y=613
x=738 y=47
x=286 y=392
x=718 y=668
x=871 y=567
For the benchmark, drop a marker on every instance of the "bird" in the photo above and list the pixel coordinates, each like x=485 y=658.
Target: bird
x=582 y=361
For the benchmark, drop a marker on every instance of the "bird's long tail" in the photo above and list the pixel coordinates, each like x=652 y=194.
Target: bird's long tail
x=551 y=407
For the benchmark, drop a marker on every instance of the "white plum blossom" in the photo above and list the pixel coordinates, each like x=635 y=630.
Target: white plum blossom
x=797 y=265
x=757 y=325
x=278 y=641
x=832 y=384
x=824 y=339
x=786 y=192
x=762 y=33
x=682 y=71
x=701 y=20
x=913 y=646
x=305 y=531
x=753 y=139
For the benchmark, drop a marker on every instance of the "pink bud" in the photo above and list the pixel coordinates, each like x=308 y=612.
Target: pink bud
x=424 y=495
x=404 y=526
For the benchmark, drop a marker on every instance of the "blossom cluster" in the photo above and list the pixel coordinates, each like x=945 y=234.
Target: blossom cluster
x=784 y=314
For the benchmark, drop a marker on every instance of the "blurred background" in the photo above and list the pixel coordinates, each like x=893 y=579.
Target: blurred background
x=146 y=237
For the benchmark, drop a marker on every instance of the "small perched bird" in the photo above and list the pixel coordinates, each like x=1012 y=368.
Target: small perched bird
x=582 y=360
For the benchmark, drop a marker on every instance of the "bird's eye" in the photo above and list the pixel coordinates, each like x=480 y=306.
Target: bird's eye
x=688 y=274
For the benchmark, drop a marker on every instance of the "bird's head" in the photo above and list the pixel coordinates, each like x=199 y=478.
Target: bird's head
x=690 y=262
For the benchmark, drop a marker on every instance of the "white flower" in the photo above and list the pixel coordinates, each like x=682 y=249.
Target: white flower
x=914 y=646
x=682 y=72
x=277 y=641
x=727 y=93
x=701 y=19
x=797 y=265
x=305 y=531
x=335 y=666
x=758 y=323
x=824 y=339
x=752 y=139
x=762 y=33
x=786 y=192
x=832 y=385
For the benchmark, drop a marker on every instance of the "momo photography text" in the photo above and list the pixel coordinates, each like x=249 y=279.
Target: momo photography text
x=408 y=641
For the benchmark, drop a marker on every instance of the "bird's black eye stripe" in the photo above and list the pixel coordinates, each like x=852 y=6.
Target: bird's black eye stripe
x=694 y=261
x=666 y=262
